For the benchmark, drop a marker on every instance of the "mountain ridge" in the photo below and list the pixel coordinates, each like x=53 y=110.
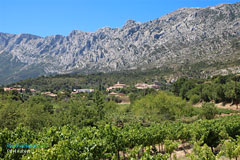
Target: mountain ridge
x=187 y=35
x=219 y=5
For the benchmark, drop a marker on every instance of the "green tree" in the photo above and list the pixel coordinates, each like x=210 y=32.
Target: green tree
x=9 y=115
x=195 y=99
x=48 y=108
x=229 y=90
x=35 y=117
x=208 y=93
x=15 y=95
x=28 y=91
x=221 y=79
x=98 y=99
x=1 y=90
x=161 y=106
x=187 y=85
x=220 y=92
x=178 y=85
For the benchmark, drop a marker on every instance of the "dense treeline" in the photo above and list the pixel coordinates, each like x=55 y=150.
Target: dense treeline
x=224 y=89
x=38 y=111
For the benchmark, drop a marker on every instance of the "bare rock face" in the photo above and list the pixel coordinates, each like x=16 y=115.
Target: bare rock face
x=186 y=35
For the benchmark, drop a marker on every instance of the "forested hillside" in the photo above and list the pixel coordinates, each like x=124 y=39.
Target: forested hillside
x=98 y=81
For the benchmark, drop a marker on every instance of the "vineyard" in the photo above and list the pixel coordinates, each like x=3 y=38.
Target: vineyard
x=210 y=139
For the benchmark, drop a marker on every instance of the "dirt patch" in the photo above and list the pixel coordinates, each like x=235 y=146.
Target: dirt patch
x=222 y=105
x=228 y=106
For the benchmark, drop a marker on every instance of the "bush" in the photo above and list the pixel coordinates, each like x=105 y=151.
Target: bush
x=195 y=99
x=161 y=106
x=209 y=110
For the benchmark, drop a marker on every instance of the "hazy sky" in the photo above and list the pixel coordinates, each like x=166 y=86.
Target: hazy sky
x=49 y=17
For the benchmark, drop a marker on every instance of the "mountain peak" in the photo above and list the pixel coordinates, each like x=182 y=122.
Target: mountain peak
x=130 y=23
x=77 y=32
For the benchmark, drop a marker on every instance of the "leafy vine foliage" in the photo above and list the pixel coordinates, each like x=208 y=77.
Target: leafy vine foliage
x=111 y=142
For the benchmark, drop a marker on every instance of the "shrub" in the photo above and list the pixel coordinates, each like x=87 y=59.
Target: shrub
x=161 y=106
x=195 y=99
x=209 y=110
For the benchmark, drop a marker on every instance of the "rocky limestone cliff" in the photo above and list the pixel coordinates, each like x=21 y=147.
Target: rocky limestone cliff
x=187 y=35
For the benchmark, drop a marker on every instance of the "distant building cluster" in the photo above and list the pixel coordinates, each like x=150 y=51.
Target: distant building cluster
x=115 y=86
x=78 y=91
x=23 y=90
x=20 y=90
x=138 y=86
x=146 y=86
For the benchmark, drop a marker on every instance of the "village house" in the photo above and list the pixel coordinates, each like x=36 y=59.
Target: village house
x=76 y=91
x=142 y=86
x=20 y=90
x=7 y=89
x=145 y=86
x=33 y=90
x=115 y=86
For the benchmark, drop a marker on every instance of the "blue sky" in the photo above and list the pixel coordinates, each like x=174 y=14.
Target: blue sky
x=50 y=17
